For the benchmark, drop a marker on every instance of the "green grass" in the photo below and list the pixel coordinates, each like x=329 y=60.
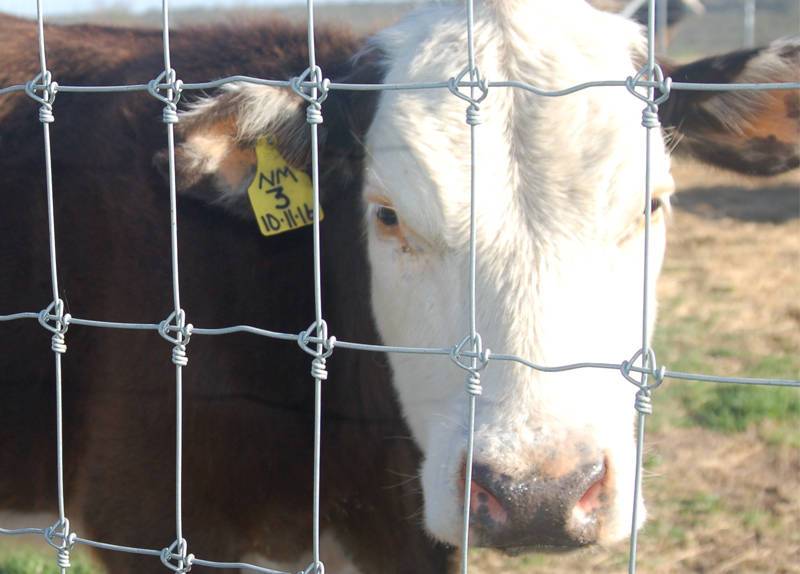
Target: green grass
x=686 y=346
x=730 y=408
x=31 y=561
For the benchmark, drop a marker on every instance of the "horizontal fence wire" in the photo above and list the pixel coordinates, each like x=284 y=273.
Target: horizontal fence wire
x=442 y=351
x=412 y=86
x=311 y=87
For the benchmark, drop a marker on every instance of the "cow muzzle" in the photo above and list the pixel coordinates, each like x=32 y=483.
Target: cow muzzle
x=538 y=510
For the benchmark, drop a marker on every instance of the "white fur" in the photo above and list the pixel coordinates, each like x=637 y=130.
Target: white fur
x=560 y=182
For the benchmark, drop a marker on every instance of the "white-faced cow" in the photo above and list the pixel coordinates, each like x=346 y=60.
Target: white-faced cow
x=559 y=230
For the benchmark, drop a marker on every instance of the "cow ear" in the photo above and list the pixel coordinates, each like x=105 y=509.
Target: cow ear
x=215 y=157
x=750 y=132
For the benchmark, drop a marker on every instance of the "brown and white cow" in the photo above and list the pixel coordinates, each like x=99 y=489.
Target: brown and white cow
x=559 y=280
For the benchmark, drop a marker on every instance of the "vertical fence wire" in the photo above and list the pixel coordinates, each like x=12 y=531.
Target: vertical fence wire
x=650 y=123
x=314 y=118
x=59 y=530
x=178 y=548
x=473 y=380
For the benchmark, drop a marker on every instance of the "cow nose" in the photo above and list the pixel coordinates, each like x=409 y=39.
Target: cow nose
x=537 y=511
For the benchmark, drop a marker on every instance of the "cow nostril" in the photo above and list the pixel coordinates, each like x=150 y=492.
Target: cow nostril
x=485 y=507
x=593 y=497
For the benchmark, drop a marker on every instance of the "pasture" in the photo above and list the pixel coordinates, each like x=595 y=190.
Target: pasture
x=723 y=462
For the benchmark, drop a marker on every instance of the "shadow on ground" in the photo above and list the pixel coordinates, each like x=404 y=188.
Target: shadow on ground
x=777 y=204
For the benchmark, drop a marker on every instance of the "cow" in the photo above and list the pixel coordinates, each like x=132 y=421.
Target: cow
x=559 y=257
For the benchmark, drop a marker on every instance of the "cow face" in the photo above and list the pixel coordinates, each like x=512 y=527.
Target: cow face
x=559 y=194
x=560 y=225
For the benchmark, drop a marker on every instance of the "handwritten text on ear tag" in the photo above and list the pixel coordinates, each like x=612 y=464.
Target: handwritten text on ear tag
x=281 y=195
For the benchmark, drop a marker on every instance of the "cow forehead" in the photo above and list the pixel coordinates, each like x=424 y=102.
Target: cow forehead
x=574 y=162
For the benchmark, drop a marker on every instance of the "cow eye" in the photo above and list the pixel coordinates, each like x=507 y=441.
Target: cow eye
x=387 y=216
x=655 y=204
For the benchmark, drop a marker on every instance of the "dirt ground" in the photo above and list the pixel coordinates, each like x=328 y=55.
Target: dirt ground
x=719 y=502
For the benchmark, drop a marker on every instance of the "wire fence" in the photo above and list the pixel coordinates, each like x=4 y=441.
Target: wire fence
x=641 y=370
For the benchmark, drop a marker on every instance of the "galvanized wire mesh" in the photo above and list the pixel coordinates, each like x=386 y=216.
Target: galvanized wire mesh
x=641 y=369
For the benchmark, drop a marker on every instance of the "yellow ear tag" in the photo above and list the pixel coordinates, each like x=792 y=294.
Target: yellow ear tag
x=281 y=196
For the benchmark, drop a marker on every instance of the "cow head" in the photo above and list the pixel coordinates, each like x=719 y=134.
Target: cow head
x=560 y=226
x=559 y=240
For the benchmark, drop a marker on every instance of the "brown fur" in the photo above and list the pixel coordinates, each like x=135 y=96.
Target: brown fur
x=756 y=134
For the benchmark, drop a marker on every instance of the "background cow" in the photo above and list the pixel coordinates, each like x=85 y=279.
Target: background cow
x=255 y=395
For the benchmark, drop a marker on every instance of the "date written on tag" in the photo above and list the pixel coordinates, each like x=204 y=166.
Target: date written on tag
x=281 y=196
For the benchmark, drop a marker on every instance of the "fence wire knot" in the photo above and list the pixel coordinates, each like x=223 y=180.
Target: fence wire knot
x=474 y=384
x=177 y=551
x=648 y=368
x=643 y=403
x=458 y=356
x=324 y=348
x=322 y=85
x=56 y=321
x=474 y=116
x=663 y=85
x=174 y=90
x=183 y=332
x=48 y=88
x=60 y=530
x=650 y=118
x=318 y=369
x=314 y=568
x=474 y=363
x=477 y=81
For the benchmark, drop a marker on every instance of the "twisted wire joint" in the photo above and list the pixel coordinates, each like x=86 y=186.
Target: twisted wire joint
x=56 y=321
x=48 y=88
x=474 y=384
x=61 y=531
x=322 y=85
x=154 y=87
x=643 y=403
x=648 y=369
x=479 y=355
x=304 y=340
x=650 y=118
x=183 y=332
x=474 y=116
x=664 y=85
x=318 y=370
x=177 y=551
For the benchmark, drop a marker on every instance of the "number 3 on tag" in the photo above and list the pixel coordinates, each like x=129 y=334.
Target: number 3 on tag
x=282 y=196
